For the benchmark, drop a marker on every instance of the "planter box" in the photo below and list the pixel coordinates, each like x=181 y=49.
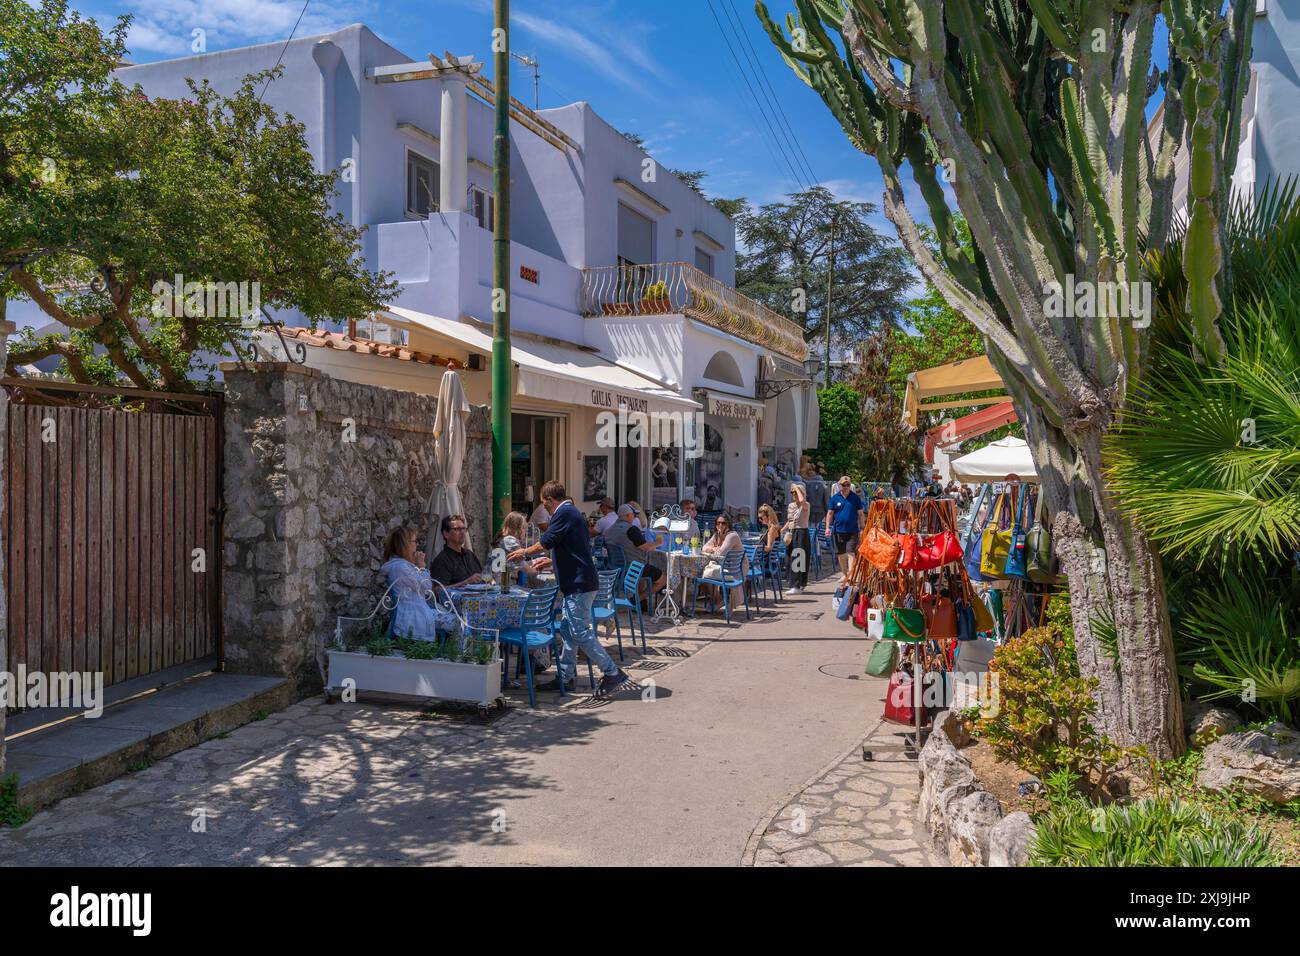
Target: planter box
x=469 y=683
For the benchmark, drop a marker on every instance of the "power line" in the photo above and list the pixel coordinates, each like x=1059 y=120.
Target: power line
x=279 y=59
x=795 y=176
x=778 y=110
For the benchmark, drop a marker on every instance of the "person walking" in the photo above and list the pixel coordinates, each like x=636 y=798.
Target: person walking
x=567 y=539
x=844 y=518
x=800 y=546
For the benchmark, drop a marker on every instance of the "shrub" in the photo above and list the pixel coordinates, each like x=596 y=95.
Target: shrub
x=12 y=813
x=1160 y=831
x=1043 y=721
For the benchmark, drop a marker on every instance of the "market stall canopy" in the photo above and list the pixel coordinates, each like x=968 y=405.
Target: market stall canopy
x=558 y=372
x=968 y=426
x=968 y=375
x=993 y=462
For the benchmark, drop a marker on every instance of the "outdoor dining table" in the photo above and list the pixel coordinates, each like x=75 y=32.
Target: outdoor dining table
x=488 y=608
x=681 y=567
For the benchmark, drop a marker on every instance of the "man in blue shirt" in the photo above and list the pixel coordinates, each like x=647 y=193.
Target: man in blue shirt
x=567 y=539
x=844 y=517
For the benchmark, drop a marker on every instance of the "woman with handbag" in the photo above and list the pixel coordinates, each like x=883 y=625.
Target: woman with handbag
x=797 y=513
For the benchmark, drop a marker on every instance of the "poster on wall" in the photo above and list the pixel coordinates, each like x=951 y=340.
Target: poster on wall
x=663 y=476
x=709 y=471
x=595 y=477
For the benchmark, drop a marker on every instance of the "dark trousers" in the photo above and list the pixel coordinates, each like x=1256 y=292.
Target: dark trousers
x=800 y=557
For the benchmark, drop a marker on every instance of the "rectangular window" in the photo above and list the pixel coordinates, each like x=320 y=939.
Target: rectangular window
x=703 y=261
x=421 y=186
x=483 y=206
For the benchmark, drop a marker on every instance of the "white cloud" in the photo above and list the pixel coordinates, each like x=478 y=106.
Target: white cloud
x=166 y=26
x=615 y=49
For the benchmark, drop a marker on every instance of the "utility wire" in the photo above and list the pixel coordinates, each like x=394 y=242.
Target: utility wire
x=795 y=176
x=279 y=59
x=778 y=110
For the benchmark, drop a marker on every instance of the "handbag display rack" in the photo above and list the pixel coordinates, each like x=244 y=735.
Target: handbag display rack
x=910 y=567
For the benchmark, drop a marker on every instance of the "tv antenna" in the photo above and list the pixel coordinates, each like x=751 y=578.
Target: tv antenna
x=531 y=61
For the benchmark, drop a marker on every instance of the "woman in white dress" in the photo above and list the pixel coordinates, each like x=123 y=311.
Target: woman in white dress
x=404 y=570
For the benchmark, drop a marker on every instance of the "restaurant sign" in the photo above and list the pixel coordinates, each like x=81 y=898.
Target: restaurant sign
x=605 y=398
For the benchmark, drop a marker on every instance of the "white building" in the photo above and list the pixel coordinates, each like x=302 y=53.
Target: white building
x=621 y=293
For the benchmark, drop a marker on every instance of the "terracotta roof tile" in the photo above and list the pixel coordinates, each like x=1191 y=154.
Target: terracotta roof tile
x=343 y=343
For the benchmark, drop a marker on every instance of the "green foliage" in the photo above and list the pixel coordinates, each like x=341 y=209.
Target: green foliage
x=840 y=408
x=1176 y=779
x=1043 y=721
x=787 y=247
x=1243 y=642
x=12 y=813
x=123 y=192
x=1159 y=831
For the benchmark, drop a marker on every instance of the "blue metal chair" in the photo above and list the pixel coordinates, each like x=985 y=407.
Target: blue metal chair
x=600 y=552
x=818 y=542
x=603 y=607
x=733 y=576
x=825 y=546
x=631 y=599
x=537 y=628
x=754 y=571
x=774 y=570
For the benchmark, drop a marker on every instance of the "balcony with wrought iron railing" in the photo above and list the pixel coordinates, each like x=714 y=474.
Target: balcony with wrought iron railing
x=678 y=288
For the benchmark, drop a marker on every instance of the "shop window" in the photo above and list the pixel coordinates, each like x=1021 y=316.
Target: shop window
x=421 y=186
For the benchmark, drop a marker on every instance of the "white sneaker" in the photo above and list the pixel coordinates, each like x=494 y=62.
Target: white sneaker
x=794 y=590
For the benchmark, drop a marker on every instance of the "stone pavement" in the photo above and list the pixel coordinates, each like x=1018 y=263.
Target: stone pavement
x=856 y=813
x=732 y=721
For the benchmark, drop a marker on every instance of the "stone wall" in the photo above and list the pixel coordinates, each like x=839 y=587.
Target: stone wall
x=307 y=510
x=7 y=329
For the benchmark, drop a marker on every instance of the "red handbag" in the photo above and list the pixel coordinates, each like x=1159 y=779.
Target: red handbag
x=941 y=619
x=900 y=708
x=907 y=545
x=936 y=551
x=860 y=612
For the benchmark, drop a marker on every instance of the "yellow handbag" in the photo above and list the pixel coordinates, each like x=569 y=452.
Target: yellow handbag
x=996 y=544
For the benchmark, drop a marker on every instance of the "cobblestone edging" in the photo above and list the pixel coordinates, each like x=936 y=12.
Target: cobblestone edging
x=850 y=813
x=963 y=821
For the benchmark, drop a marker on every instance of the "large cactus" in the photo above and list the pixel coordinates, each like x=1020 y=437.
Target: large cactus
x=1035 y=113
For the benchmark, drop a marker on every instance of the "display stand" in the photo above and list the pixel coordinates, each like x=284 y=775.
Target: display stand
x=675 y=523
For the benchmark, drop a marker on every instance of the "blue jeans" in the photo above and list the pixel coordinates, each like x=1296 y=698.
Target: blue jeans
x=578 y=633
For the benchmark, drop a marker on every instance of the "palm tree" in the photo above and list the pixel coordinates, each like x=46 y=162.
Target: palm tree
x=1207 y=461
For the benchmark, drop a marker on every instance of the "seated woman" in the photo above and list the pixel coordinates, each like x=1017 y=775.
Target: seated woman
x=770 y=525
x=725 y=540
x=513 y=533
x=409 y=579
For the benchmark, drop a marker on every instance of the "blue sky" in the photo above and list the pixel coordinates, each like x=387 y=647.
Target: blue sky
x=660 y=68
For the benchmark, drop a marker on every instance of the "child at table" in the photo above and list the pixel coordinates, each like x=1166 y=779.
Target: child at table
x=404 y=570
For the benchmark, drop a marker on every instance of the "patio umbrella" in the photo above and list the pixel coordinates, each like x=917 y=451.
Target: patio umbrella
x=449 y=440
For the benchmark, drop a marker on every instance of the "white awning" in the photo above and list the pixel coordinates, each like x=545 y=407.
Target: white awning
x=560 y=373
x=993 y=462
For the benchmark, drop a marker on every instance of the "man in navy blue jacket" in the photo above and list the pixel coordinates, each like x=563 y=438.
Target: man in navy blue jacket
x=569 y=542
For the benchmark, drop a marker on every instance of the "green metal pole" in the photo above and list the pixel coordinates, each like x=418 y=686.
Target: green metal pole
x=501 y=364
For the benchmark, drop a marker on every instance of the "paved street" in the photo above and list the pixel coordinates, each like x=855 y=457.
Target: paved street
x=712 y=770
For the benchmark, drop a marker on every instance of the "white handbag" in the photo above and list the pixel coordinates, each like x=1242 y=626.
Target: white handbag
x=875 y=623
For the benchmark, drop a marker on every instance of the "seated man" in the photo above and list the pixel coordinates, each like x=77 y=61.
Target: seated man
x=693 y=515
x=455 y=564
x=608 y=515
x=625 y=535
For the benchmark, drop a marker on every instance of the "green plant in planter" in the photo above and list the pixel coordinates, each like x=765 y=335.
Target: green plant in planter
x=656 y=290
x=1043 y=721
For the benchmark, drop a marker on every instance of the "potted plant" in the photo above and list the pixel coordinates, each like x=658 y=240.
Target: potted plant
x=654 y=300
x=463 y=664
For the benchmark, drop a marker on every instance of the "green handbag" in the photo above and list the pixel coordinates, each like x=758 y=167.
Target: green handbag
x=883 y=659
x=996 y=545
x=1040 y=562
x=904 y=624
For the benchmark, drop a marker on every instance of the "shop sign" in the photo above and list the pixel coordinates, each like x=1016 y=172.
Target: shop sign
x=728 y=408
x=603 y=398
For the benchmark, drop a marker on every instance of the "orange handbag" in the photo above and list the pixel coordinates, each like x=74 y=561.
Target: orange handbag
x=941 y=619
x=880 y=549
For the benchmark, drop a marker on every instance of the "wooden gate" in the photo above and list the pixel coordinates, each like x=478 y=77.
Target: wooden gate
x=112 y=530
